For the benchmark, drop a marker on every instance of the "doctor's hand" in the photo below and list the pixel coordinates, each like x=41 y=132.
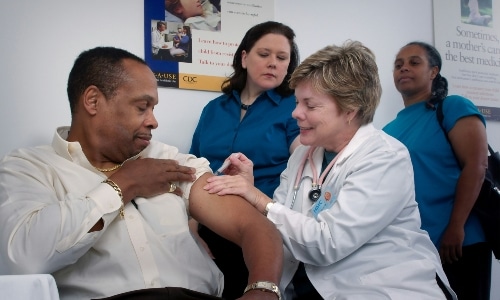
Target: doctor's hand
x=237 y=185
x=240 y=165
x=230 y=185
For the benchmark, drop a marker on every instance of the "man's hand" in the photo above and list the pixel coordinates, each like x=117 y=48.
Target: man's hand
x=148 y=177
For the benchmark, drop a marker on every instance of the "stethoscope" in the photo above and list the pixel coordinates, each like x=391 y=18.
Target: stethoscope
x=315 y=191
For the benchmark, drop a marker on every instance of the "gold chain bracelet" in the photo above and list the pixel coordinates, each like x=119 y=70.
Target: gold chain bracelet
x=119 y=191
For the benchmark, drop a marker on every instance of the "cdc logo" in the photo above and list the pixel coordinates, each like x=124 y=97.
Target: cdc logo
x=189 y=79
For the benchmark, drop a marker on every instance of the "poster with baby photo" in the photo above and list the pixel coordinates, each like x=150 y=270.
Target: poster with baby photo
x=190 y=44
x=467 y=35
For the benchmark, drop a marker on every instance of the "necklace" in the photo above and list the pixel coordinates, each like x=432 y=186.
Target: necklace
x=117 y=166
x=244 y=106
x=108 y=169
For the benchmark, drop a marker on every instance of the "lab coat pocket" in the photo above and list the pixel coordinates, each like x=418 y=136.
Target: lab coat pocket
x=415 y=278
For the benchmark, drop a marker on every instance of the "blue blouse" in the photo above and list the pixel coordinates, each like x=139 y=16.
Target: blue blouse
x=264 y=134
x=435 y=168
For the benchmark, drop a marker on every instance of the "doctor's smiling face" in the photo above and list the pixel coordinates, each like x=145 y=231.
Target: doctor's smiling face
x=322 y=123
x=337 y=91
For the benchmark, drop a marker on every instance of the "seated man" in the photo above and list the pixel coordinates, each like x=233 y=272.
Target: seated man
x=105 y=209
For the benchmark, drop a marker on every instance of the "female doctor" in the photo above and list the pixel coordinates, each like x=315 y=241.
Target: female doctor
x=346 y=205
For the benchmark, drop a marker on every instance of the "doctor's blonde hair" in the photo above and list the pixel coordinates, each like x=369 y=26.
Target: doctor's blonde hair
x=348 y=73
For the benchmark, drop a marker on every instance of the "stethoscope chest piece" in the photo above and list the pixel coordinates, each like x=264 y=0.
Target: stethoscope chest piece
x=314 y=194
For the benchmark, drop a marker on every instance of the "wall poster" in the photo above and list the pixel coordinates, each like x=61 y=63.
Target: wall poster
x=466 y=34
x=190 y=44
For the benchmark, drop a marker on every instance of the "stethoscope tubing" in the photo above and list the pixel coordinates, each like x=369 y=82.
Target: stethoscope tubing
x=315 y=192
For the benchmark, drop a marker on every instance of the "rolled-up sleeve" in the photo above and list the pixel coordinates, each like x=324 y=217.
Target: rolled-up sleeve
x=200 y=164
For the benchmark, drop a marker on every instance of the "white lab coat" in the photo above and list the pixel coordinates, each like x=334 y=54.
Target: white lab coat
x=157 y=40
x=369 y=244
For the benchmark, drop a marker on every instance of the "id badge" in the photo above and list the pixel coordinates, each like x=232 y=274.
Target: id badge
x=326 y=201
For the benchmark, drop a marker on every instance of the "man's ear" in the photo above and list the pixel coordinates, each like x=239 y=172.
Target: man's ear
x=91 y=97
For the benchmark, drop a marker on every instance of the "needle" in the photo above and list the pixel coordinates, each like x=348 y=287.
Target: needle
x=224 y=166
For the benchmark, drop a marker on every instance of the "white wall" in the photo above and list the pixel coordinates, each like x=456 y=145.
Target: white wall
x=41 y=39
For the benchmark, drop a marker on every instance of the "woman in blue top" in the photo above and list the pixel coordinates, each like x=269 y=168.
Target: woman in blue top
x=448 y=178
x=252 y=116
x=181 y=42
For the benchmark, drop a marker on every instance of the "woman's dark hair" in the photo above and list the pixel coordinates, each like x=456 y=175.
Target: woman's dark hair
x=439 y=89
x=188 y=30
x=238 y=79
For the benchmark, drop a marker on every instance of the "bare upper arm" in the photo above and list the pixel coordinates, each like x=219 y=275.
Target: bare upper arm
x=468 y=138
x=227 y=215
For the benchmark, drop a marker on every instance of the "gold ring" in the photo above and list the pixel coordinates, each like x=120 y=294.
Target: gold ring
x=172 y=187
